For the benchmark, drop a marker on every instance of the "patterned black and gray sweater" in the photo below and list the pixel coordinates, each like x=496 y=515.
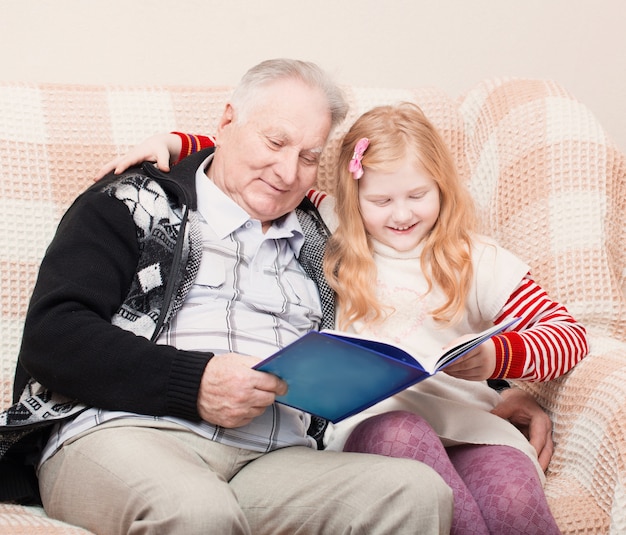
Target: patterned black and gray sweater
x=118 y=269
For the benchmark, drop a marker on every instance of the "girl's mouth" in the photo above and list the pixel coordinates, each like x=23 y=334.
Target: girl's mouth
x=403 y=228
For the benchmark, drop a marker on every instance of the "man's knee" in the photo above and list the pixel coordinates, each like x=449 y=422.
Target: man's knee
x=413 y=494
x=413 y=478
x=193 y=514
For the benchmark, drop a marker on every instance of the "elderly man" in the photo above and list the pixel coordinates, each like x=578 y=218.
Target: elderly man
x=155 y=298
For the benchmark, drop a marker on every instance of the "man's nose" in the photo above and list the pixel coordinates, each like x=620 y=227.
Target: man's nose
x=287 y=167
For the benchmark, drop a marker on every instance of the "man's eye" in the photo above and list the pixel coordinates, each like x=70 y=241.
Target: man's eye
x=275 y=143
x=309 y=160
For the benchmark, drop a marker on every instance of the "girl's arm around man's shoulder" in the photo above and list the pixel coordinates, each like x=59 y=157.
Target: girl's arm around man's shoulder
x=325 y=204
x=162 y=149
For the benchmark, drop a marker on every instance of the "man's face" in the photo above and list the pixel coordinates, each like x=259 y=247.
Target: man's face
x=267 y=162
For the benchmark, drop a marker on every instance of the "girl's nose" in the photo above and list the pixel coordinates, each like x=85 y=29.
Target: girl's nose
x=402 y=213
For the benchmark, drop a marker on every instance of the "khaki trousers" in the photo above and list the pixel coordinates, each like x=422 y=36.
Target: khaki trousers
x=148 y=477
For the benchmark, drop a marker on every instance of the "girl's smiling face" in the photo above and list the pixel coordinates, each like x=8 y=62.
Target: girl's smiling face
x=399 y=208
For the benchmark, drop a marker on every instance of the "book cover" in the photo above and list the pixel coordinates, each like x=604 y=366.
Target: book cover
x=335 y=375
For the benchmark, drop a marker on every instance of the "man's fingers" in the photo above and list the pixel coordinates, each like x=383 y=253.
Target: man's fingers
x=272 y=383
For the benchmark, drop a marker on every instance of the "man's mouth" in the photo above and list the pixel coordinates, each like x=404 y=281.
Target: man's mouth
x=274 y=187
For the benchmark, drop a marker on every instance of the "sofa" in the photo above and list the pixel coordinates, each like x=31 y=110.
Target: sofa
x=549 y=184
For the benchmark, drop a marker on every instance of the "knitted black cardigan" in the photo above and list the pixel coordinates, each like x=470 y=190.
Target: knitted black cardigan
x=119 y=267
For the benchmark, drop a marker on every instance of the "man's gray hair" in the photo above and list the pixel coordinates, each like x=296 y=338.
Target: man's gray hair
x=272 y=70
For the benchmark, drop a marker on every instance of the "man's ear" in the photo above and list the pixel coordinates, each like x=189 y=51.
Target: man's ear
x=228 y=117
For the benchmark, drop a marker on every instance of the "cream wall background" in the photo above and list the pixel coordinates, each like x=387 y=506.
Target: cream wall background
x=399 y=43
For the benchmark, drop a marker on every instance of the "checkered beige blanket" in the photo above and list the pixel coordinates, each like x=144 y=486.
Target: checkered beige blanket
x=548 y=182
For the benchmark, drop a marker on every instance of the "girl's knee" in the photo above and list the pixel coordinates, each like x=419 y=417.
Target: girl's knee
x=395 y=434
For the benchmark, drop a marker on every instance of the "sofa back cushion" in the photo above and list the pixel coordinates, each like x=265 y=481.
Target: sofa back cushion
x=548 y=183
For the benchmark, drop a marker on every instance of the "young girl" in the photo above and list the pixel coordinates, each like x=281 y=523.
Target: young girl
x=408 y=266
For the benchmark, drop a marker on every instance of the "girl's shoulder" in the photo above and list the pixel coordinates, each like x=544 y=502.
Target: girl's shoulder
x=490 y=257
x=483 y=244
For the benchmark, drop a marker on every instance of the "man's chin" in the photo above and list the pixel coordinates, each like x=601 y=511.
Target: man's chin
x=270 y=211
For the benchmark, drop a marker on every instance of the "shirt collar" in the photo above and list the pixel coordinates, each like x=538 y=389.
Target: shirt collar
x=225 y=216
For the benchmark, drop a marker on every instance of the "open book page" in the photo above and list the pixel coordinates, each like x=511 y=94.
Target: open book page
x=396 y=351
x=452 y=353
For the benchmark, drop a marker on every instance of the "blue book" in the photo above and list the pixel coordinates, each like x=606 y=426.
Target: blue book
x=335 y=375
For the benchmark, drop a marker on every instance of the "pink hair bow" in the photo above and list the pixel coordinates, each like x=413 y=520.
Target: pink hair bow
x=355 y=166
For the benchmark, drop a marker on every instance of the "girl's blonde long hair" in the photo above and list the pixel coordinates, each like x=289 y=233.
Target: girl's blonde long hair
x=395 y=132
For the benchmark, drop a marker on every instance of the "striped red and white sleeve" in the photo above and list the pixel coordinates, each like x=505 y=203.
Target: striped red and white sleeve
x=546 y=343
x=316 y=197
x=193 y=143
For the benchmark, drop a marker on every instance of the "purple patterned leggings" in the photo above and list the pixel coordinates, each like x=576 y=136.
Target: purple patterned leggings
x=496 y=488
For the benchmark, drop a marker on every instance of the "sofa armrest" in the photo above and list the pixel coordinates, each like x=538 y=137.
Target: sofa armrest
x=586 y=479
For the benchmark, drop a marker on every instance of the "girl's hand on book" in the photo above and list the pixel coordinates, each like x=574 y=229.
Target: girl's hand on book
x=476 y=365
